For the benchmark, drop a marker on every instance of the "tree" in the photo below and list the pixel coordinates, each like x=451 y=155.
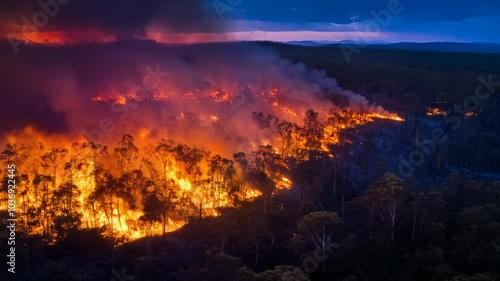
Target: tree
x=52 y=160
x=67 y=216
x=165 y=153
x=241 y=168
x=220 y=175
x=389 y=196
x=312 y=132
x=95 y=157
x=319 y=229
x=260 y=181
x=416 y=205
x=43 y=197
x=289 y=133
x=283 y=273
x=475 y=241
x=159 y=201
x=219 y=266
x=126 y=153
x=105 y=194
x=128 y=190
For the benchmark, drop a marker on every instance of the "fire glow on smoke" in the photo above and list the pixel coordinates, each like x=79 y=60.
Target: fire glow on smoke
x=226 y=123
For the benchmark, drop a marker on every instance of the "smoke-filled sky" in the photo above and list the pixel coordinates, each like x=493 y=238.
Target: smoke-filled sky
x=280 y=20
x=200 y=94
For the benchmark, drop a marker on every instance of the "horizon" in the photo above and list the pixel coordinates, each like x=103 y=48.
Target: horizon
x=391 y=21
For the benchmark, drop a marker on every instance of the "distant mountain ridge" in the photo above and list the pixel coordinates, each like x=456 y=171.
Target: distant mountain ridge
x=432 y=46
x=375 y=45
x=446 y=47
x=326 y=42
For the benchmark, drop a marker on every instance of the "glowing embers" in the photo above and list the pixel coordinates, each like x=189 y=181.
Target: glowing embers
x=434 y=111
x=118 y=99
x=284 y=183
x=251 y=193
x=219 y=96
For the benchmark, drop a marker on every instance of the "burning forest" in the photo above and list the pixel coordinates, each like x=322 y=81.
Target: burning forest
x=217 y=129
x=190 y=140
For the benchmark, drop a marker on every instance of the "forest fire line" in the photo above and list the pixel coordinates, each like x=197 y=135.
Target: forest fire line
x=390 y=117
x=191 y=145
x=224 y=98
x=144 y=188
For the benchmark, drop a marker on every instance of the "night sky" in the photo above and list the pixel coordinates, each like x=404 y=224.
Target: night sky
x=278 y=20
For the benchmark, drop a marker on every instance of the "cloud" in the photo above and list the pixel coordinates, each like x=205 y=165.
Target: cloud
x=123 y=18
x=358 y=10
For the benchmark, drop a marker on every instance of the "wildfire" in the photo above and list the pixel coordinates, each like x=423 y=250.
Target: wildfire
x=64 y=37
x=285 y=183
x=251 y=193
x=132 y=194
x=121 y=100
x=98 y=206
x=389 y=117
x=434 y=111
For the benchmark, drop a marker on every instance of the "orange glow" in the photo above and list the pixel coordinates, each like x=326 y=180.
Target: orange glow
x=434 y=111
x=285 y=183
x=120 y=221
x=98 y=99
x=121 y=100
x=390 y=117
x=190 y=178
x=66 y=37
x=251 y=193
x=144 y=133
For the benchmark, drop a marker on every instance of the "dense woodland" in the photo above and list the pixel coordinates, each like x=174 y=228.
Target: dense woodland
x=408 y=82
x=300 y=214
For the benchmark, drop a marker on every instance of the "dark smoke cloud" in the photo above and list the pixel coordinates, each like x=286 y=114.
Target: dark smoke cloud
x=124 y=18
